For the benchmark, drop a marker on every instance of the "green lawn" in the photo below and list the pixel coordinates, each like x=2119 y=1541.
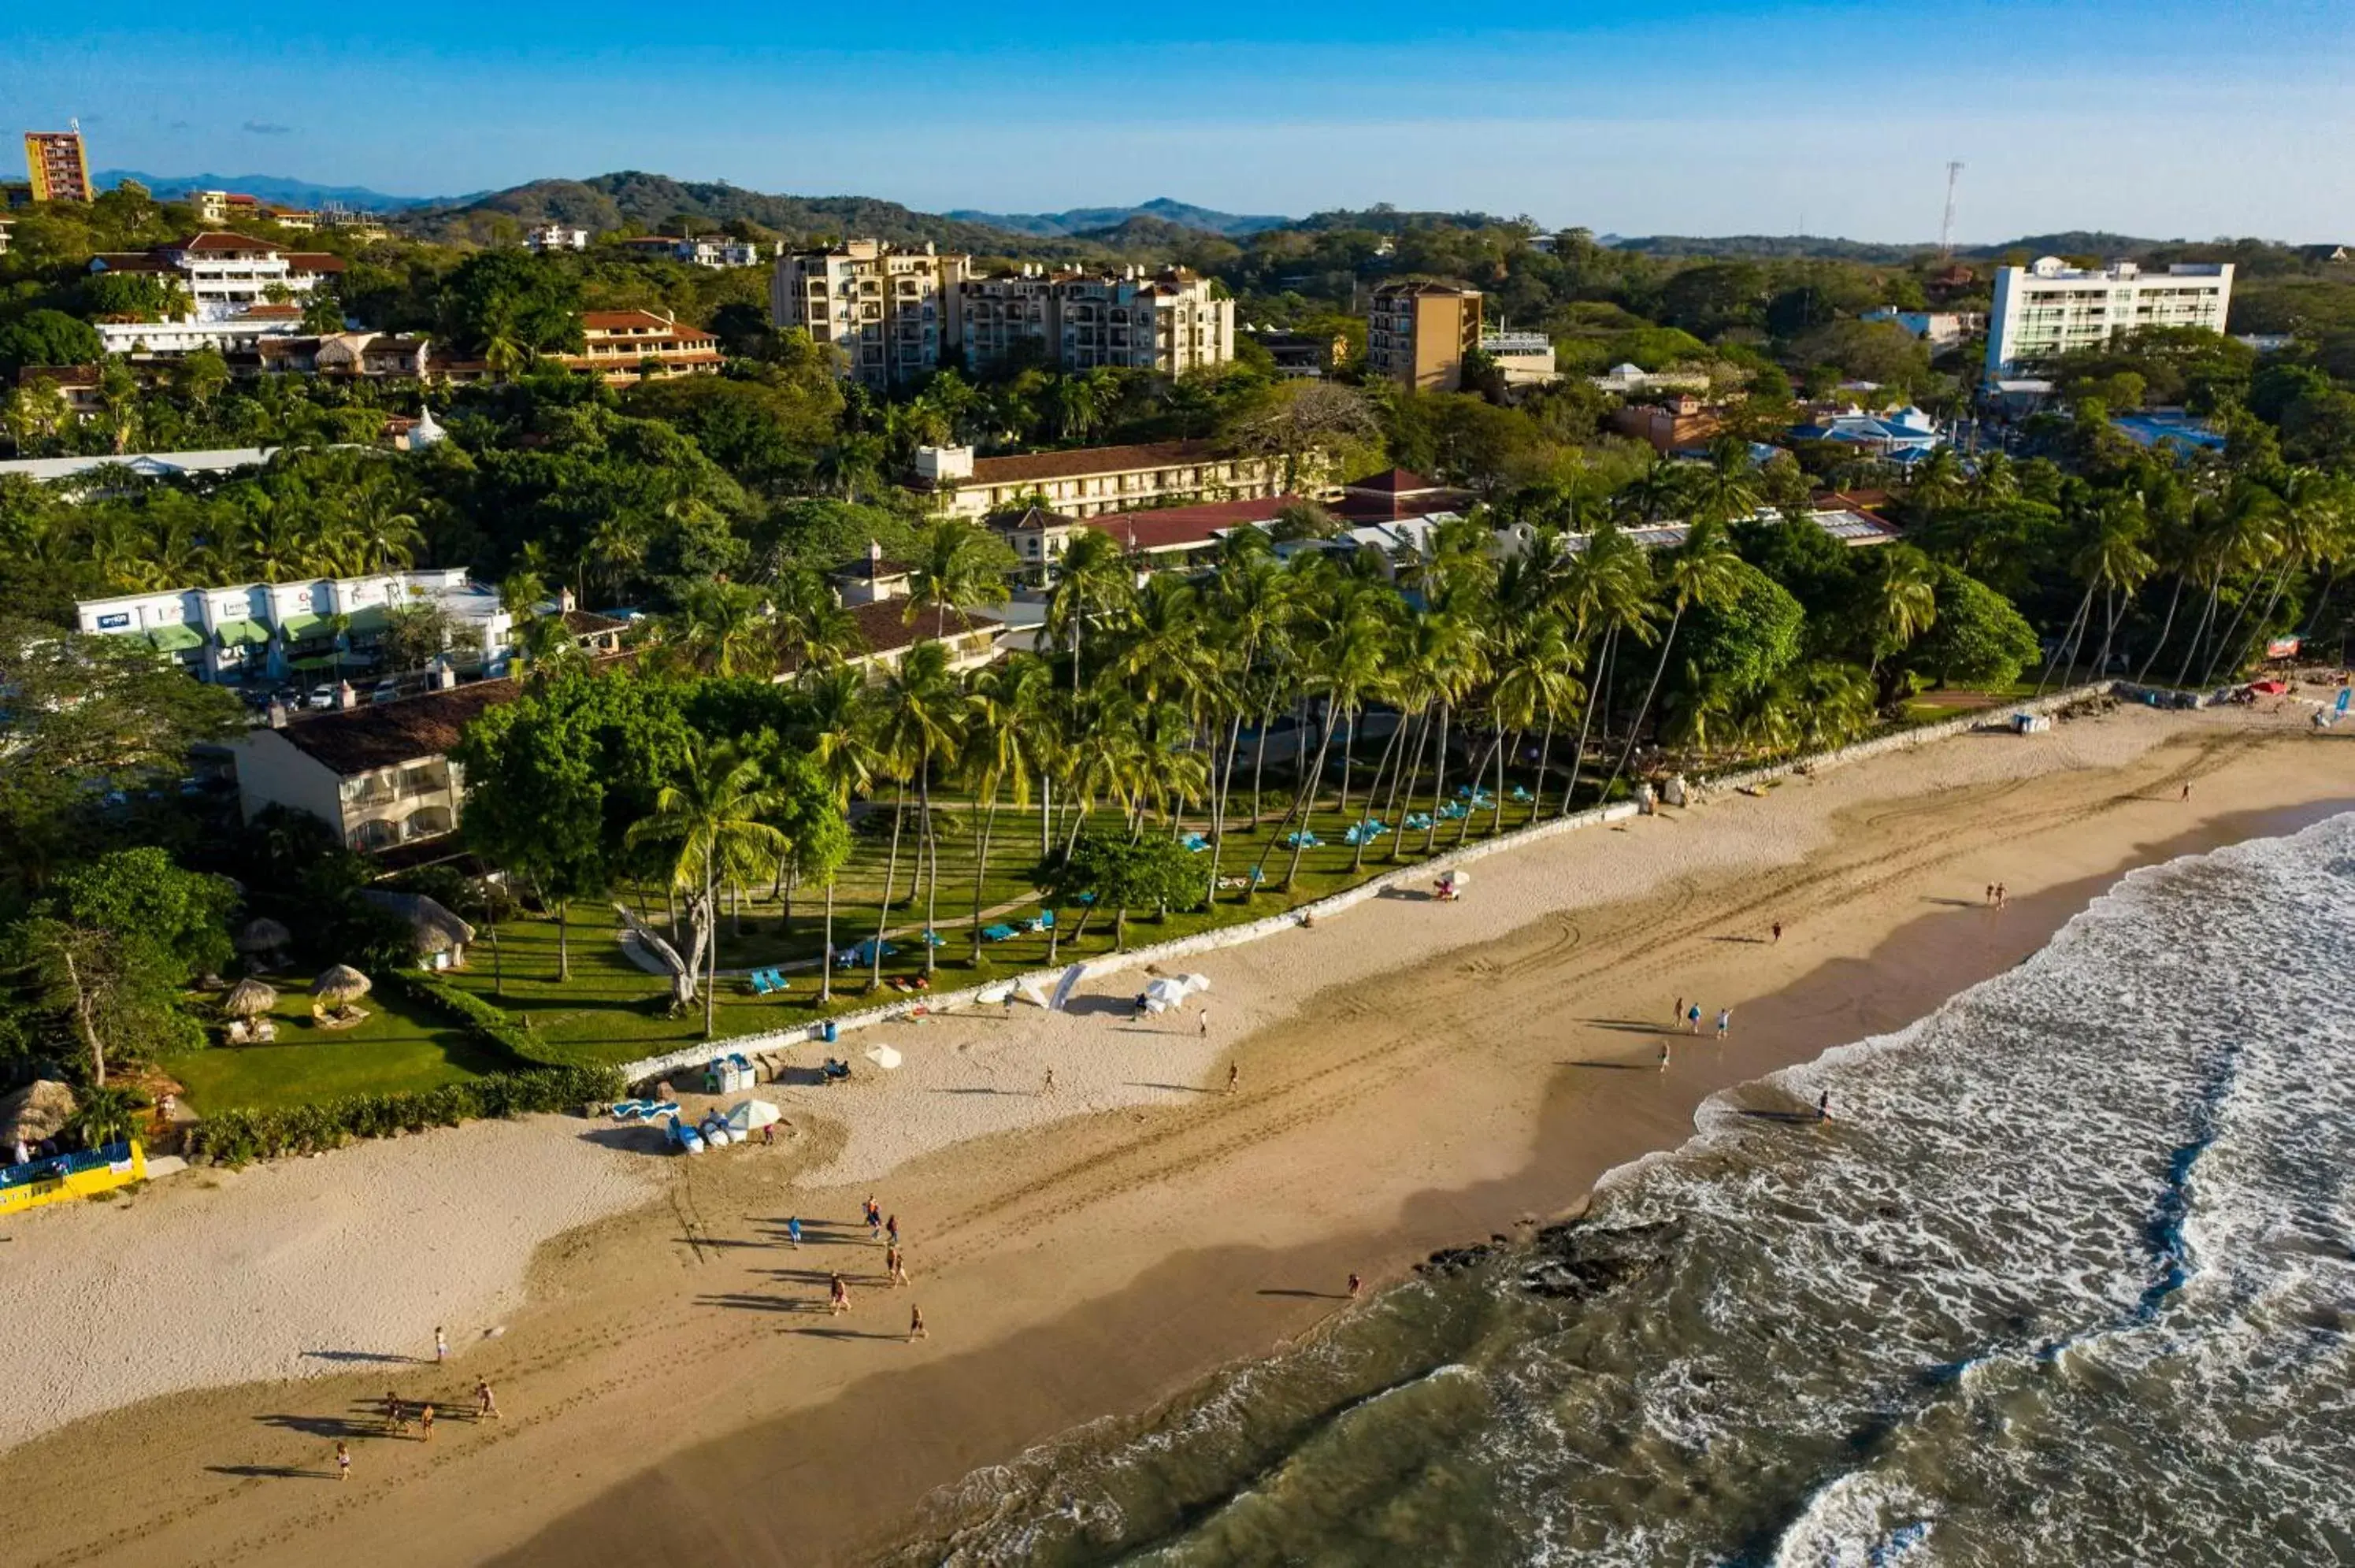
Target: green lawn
x=611 y=1010
x=398 y=1048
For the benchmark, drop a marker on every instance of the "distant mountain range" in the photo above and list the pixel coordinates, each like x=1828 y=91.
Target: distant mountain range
x=278 y=188
x=1092 y=221
x=1785 y=247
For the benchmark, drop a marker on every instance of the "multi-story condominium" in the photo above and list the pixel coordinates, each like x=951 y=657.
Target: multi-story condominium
x=892 y=313
x=720 y=253
x=1417 y=333
x=227 y=274
x=618 y=343
x=1169 y=322
x=547 y=237
x=1092 y=480
x=227 y=206
x=59 y=170
x=241 y=336
x=2050 y=308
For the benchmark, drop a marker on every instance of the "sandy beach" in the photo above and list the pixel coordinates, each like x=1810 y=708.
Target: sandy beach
x=1414 y=1075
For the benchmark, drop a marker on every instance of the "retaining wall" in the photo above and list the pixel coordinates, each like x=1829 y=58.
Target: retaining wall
x=1423 y=871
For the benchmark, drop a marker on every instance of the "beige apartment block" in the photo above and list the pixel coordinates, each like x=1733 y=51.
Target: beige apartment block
x=1169 y=322
x=892 y=312
x=1418 y=333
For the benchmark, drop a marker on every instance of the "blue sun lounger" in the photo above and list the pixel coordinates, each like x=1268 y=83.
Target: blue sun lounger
x=1001 y=932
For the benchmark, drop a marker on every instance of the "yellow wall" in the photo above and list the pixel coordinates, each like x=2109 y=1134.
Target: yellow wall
x=80 y=1184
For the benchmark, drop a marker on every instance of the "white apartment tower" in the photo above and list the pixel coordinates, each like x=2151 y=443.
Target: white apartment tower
x=891 y=311
x=2049 y=308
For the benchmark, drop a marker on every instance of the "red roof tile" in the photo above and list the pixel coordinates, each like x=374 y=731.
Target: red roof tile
x=1184 y=528
x=1090 y=461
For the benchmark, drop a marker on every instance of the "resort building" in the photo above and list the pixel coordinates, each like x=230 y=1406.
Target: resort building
x=1522 y=358
x=1938 y=328
x=273 y=632
x=1671 y=424
x=1417 y=333
x=624 y=346
x=355 y=356
x=56 y=164
x=892 y=313
x=1170 y=321
x=1159 y=537
x=227 y=274
x=1091 y=480
x=141 y=465
x=380 y=774
x=1302 y=355
x=221 y=208
x=876 y=592
x=544 y=238
x=76 y=384
x=2050 y=308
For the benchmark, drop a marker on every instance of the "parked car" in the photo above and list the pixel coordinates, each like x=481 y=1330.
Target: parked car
x=322 y=696
x=386 y=690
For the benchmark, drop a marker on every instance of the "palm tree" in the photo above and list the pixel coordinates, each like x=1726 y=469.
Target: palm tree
x=836 y=727
x=1347 y=665
x=1092 y=580
x=955 y=567
x=714 y=812
x=1534 y=681
x=1701 y=572
x=1901 y=604
x=2241 y=535
x=719 y=630
x=2116 y=560
x=920 y=725
x=1608 y=585
x=1003 y=752
x=547 y=647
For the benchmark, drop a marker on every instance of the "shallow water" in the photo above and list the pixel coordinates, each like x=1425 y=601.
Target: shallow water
x=2069 y=1279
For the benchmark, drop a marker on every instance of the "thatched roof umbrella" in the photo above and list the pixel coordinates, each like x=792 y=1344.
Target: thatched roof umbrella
x=249 y=998
x=431 y=924
x=339 y=985
x=39 y=1110
x=263 y=935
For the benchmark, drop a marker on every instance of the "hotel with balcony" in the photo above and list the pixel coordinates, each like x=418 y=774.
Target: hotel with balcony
x=1093 y=480
x=241 y=289
x=1170 y=321
x=891 y=311
x=2049 y=308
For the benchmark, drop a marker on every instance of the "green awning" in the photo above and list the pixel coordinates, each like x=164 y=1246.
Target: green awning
x=370 y=619
x=316 y=661
x=242 y=633
x=175 y=639
x=294 y=628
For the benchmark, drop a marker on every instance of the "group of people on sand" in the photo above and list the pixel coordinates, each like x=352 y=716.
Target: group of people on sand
x=1687 y=1016
x=884 y=1233
x=400 y=1416
x=1997 y=896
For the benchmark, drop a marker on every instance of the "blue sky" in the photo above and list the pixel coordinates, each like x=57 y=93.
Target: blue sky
x=2159 y=117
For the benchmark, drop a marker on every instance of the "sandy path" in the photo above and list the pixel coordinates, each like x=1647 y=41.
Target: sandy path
x=302 y=1268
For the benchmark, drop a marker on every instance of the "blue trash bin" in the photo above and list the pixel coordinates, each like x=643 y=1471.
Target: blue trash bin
x=828 y=1032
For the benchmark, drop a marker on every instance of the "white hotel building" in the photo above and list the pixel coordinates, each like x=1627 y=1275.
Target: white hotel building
x=2049 y=308
x=243 y=290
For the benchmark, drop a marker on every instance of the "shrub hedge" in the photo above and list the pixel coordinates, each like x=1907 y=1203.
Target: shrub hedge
x=235 y=1138
x=488 y=1023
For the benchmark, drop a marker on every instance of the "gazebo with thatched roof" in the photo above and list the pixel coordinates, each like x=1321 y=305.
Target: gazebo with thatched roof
x=248 y=1005
x=264 y=940
x=438 y=936
x=338 y=986
x=38 y=1111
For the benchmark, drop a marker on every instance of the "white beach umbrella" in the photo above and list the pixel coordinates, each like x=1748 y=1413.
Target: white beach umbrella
x=884 y=1057
x=748 y=1116
x=1194 y=983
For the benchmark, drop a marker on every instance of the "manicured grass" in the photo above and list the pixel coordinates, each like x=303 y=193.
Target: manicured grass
x=398 y=1048
x=614 y=1011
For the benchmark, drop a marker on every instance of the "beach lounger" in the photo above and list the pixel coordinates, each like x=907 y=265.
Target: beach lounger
x=999 y=933
x=759 y=981
x=1045 y=921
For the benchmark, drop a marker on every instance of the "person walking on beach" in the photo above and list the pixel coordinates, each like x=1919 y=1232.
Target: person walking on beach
x=794 y=1231
x=1049 y=1087
x=1663 y=1056
x=1356 y=1287
x=891 y=1230
x=396 y=1414
x=343 y=1462
x=486 y=1404
x=916 y=1325
x=2002 y=896
x=2187 y=792
x=874 y=1219
x=891 y=1266
x=1234 y=1076
x=1988 y=897
x=769 y=1135
x=1778 y=931
x=1724 y=1021
x=838 y=1297
x=1824 y=1107
x=440 y=1346
x=1205 y=1022
x=1678 y=1016
x=899 y=1261
x=1692 y=1018
x=425 y=1421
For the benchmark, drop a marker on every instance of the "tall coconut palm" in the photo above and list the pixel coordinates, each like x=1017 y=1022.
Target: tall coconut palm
x=1701 y=572
x=1002 y=751
x=955 y=568
x=2240 y=535
x=719 y=630
x=713 y=812
x=1606 y=590
x=2116 y=560
x=838 y=728
x=1901 y=604
x=920 y=725
x=1093 y=580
